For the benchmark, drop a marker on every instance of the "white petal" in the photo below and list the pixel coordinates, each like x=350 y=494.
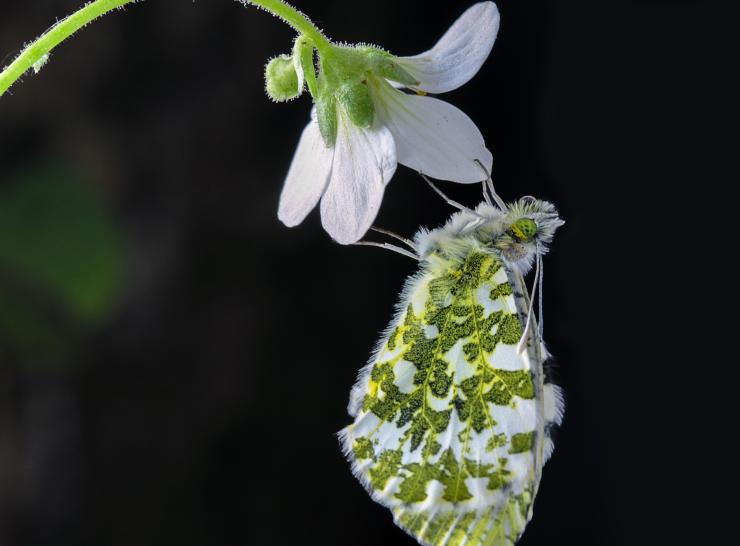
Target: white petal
x=307 y=177
x=434 y=137
x=459 y=54
x=364 y=162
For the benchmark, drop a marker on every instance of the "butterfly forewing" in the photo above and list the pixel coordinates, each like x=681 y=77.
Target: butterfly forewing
x=448 y=428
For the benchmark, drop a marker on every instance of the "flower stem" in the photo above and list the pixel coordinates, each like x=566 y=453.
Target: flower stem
x=38 y=50
x=300 y=22
x=62 y=30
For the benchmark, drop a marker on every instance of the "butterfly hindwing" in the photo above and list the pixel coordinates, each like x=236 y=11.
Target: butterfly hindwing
x=449 y=416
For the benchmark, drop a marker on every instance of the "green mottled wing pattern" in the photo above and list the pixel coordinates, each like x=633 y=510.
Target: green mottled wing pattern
x=448 y=427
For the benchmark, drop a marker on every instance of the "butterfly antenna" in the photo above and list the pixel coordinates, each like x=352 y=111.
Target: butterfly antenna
x=489 y=185
x=448 y=200
x=528 y=326
x=540 y=317
x=389 y=233
x=485 y=195
x=388 y=246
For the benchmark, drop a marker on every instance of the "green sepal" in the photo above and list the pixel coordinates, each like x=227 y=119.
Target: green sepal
x=303 y=61
x=281 y=79
x=326 y=114
x=384 y=64
x=358 y=103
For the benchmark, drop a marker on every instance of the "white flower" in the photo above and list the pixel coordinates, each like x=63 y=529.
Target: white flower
x=423 y=133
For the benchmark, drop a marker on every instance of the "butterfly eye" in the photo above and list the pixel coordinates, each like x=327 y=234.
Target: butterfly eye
x=524 y=229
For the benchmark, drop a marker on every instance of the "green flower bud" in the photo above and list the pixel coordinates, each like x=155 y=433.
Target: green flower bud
x=357 y=101
x=326 y=113
x=281 y=79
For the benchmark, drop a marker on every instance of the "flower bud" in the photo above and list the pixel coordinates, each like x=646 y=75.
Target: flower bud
x=281 y=79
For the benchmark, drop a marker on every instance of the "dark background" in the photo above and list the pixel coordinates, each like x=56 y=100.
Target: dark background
x=174 y=362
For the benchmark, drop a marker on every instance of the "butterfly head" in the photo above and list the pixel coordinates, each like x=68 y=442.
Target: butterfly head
x=524 y=231
x=520 y=232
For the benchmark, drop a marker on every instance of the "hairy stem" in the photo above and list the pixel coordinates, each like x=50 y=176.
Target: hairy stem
x=38 y=50
x=300 y=22
x=62 y=30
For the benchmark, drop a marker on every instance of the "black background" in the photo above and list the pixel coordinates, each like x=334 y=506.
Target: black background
x=203 y=409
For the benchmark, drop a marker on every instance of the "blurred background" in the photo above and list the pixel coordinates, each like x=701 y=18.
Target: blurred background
x=165 y=374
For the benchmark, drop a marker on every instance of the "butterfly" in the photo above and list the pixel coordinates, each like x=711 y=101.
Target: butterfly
x=454 y=413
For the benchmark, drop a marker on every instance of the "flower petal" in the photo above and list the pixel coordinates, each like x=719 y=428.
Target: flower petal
x=307 y=177
x=434 y=137
x=364 y=162
x=459 y=54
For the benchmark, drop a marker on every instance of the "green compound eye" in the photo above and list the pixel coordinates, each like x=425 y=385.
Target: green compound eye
x=524 y=229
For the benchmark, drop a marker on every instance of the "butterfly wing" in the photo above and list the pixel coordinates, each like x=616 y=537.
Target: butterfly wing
x=449 y=429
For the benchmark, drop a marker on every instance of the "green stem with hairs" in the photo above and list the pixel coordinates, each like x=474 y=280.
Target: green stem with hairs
x=62 y=30
x=37 y=50
x=299 y=21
